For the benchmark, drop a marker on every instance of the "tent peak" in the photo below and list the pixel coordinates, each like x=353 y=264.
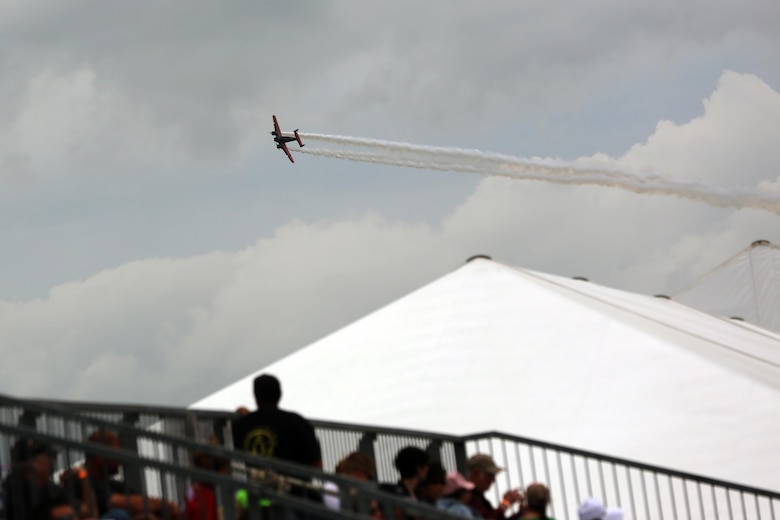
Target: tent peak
x=475 y=257
x=746 y=285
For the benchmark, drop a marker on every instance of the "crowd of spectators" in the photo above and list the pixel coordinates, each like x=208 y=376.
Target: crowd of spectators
x=87 y=491
x=93 y=491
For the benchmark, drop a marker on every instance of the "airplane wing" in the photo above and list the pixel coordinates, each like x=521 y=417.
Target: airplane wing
x=278 y=132
x=287 y=151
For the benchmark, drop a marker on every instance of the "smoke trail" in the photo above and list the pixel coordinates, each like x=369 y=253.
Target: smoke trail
x=546 y=170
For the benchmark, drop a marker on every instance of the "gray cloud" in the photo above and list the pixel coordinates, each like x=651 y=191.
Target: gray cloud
x=171 y=330
x=207 y=73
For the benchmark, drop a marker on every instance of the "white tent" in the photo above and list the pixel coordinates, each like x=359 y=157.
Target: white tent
x=489 y=347
x=745 y=286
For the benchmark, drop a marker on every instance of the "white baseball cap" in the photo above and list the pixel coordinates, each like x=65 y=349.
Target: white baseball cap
x=592 y=509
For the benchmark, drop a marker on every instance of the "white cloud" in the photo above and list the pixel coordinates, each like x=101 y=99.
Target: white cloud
x=168 y=330
x=173 y=330
x=742 y=114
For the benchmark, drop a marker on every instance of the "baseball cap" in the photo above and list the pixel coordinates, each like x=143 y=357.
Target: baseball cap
x=482 y=462
x=456 y=481
x=591 y=509
x=614 y=513
x=26 y=449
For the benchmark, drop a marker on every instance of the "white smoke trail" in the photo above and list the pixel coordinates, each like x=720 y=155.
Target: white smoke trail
x=546 y=170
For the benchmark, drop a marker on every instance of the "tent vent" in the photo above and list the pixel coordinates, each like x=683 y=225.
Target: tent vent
x=486 y=257
x=737 y=318
x=760 y=243
x=580 y=278
x=663 y=296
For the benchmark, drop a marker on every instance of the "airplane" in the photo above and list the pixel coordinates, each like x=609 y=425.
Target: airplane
x=282 y=140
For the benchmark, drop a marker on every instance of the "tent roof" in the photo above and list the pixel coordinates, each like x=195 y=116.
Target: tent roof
x=746 y=286
x=489 y=347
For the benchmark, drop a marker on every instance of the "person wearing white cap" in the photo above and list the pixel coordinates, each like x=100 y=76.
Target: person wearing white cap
x=592 y=509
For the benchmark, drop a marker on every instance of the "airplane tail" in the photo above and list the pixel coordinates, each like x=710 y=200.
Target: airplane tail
x=298 y=138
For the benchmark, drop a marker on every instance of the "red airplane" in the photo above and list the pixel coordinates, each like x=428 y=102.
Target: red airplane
x=282 y=140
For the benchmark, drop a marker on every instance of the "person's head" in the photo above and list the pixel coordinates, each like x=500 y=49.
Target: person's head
x=412 y=462
x=458 y=487
x=537 y=498
x=57 y=507
x=34 y=460
x=357 y=465
x=242 y=411
x=591 y=509
x=432 y=486
x=98 y=465
x=203 y=460
x=268 y=390
x=482 y=471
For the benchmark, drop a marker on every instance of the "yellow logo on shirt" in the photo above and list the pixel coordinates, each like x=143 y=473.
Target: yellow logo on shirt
x=261 y=441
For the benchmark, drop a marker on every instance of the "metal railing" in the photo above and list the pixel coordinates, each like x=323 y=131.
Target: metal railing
x=641 y=490
x=161 y=464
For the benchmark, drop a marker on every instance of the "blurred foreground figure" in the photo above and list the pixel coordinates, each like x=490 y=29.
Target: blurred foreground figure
x=29 y=484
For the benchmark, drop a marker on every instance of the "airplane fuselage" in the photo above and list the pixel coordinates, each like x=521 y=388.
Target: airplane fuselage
x=282 y=140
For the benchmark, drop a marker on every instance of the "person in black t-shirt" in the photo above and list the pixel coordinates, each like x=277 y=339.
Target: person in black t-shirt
x=431 y=488
x=412 y=463
x=272 y=432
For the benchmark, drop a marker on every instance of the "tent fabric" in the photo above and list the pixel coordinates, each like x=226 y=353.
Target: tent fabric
x=745 y=286
x=489 y=347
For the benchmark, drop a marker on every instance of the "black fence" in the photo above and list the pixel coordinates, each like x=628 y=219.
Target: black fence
x=641 y=490
x=158 y=468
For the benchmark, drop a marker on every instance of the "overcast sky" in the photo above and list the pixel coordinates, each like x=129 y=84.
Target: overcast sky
x=154 y=246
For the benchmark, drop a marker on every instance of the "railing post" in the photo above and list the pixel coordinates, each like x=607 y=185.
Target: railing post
x=128 y=440
x=228 y=499
x=190 y=426
x=366 y=444
x=29 y=419
x=460 y=456
x=218 y=425
x=434 y=449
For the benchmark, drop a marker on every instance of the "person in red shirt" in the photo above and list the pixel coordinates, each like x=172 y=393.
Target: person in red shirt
x=201 y=500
